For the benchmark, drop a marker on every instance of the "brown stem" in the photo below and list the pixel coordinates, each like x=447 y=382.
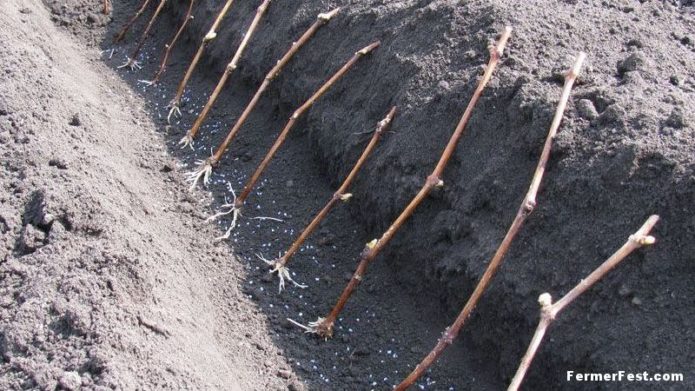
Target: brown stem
x=107 y=7
x=526 y=208
x=119 y=37
x=340 y=194
x=211 y=34
x=549 y=311
x=145 y=33
x=170 y=45
x=298 y=113
x=320 y=21
x=325 y=326
x=227 y=72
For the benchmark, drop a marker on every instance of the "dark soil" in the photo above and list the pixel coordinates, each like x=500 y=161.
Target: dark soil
x=625 y=151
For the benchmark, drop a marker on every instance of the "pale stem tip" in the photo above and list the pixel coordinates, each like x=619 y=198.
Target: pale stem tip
x=545 y=300
x=369 y=48
x=576 y=68
x=326 y=16
x=210 y=36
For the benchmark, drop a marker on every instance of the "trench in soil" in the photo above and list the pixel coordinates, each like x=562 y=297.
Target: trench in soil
x=394 y=319
x=384 y=330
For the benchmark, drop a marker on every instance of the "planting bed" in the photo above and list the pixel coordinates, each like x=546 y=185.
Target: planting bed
x=110 y=276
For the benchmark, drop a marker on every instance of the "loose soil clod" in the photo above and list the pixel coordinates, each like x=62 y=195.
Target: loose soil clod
x=324 y=327
x=119 y=37
x=169 y=46
x=549 y=311
x=211 y=34
x=527 y=207
x=205 y=169
x=132 y=62
x=279 y=265
x=248 y=187
x=187 y=140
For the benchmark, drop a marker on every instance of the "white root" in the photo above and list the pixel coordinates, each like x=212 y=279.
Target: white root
x=110 y=51
x=148 y=83
x=131 y=63
x=173 y=110
x=282 y=271
x=312 y=327
x=262 y=218
x=187 y=140
x=204 y=171
x=232 y=210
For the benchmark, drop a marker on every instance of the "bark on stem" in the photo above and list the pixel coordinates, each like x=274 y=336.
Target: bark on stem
x=320 y=21
x=295 y=116
x=324 y=326
x=227 y=72
x=211 y=35
x=526 y=208
x=145 y=33
x=549 y=311
x=119 y=37
x=340 y=194
x=170 y=45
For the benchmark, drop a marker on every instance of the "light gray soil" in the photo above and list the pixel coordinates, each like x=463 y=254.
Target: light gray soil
x=108 y=278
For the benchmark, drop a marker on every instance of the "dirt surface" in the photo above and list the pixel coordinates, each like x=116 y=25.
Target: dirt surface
x=191 y=314
x=105 y=282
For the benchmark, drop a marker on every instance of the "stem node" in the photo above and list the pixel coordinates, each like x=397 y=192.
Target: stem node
x=549 y=310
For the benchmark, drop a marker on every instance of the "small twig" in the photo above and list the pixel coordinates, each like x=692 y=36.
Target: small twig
x=132 y=60
x=107 y=7
x=324 y=328
x=322 y=19
x=549 y=311
x=341 y=194
x=527 y=207
x=212 y=34
x=169 y=46
x=295 y=116
x=190 y=135
x=119 y=37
